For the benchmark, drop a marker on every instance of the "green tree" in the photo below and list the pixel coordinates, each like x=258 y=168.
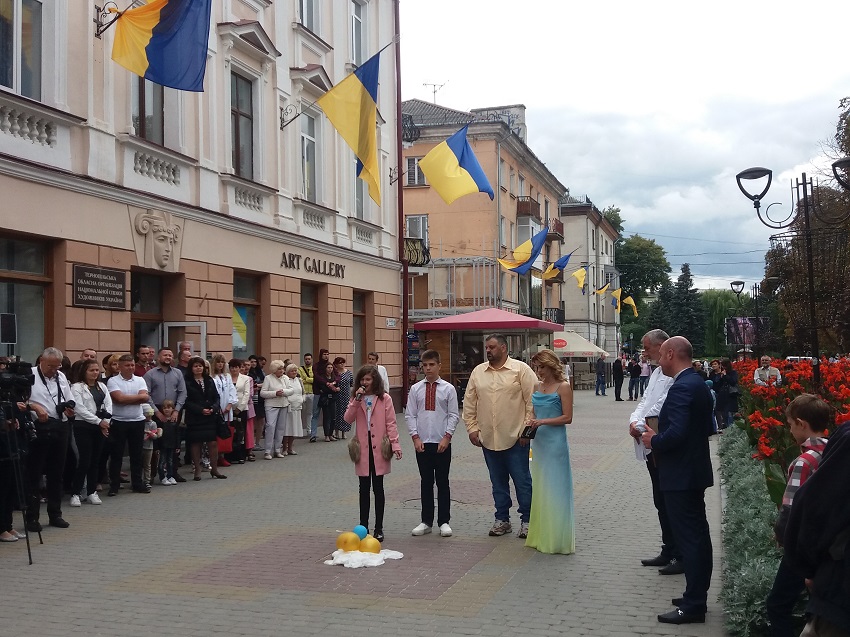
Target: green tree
x=687 y=317
x=718 y=305
x=643 y=266
x=612 y=216
x=660 y=312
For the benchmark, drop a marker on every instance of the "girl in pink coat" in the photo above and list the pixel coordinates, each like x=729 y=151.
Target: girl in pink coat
x=373 y=414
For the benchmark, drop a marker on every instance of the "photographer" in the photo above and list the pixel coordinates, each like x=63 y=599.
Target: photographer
x=10 y=442
x=51 y=406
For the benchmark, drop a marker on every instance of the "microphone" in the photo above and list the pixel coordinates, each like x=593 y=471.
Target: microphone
x=358 y=395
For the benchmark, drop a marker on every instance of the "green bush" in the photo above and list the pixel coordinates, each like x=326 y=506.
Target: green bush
x=751 y=555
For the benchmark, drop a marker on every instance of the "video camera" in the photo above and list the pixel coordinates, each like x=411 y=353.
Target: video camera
x=16 y=383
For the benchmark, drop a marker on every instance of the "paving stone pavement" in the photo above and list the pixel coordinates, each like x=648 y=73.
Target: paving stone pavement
x=245 y=556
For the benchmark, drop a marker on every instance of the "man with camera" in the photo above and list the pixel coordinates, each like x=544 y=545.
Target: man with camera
x=128 y=392
x=51 y=406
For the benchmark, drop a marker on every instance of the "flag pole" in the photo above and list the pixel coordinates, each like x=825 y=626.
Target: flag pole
x=405 y=277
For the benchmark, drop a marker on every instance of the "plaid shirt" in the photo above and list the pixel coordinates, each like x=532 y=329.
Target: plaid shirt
x=803 y=467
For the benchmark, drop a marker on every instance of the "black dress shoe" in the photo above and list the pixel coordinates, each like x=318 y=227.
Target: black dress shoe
x=378 y=535
x=678 y=601
x=34 y=526
x=660 y=560
x=58 y=522
x=675 y=567
x=141 y=490
x=179 y=478
x=112 y=493
x=681 y=617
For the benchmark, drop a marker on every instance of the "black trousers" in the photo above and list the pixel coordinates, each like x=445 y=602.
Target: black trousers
x=377 y=485
x=90 y=441
x=240 y=427
x=8 y=487
x=618 y=388
x=132 y=434
x=668 y=540
x=786 y=591
x=686 y=511
x=328 y=418
x=434 y=467
x=47 y=457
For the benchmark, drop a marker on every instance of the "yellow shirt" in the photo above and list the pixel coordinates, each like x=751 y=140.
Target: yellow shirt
x=497 y=403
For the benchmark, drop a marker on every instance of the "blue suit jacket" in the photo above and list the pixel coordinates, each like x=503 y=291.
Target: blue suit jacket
x=684 y=425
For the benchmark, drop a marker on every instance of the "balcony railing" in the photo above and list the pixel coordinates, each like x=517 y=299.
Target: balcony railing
x=554 y=315
x=528 y=207
x=556 y=230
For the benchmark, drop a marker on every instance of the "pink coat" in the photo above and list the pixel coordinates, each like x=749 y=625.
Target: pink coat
x=383 y=422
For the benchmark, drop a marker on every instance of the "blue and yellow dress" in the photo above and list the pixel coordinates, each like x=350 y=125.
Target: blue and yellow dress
x=551 y=528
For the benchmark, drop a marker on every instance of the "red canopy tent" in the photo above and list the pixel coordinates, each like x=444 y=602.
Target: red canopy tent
x=490 y=319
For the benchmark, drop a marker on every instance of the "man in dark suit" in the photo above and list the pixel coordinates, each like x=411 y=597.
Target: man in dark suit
x=684 y=471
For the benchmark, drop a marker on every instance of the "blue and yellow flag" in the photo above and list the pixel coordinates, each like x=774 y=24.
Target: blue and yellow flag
x=615 y=300
x=603 y=289
x=165 y=41
x=452 y=169
x=352 y=107
x=526 y=253
x=580 y=276
x=558 y=266
x=630 y=301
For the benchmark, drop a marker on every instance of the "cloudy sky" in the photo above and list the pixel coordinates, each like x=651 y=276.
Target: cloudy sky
x=650 y=106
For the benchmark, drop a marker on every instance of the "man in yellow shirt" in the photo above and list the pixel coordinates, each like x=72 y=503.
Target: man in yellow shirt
x=496 y=408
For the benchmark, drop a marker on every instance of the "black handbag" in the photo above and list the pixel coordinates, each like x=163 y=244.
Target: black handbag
x=222 y=428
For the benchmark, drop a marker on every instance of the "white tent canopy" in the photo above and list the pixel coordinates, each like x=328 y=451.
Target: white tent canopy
x=571 y=343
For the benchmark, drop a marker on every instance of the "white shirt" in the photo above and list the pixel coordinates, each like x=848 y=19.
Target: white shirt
x=384 y=377
x=767 y=372
x=131 y=387
x=46 y=393
x=432 y=421
x=226 y=394
x=650 y=404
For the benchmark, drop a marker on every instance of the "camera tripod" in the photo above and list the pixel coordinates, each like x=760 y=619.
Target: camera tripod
x=15 y=459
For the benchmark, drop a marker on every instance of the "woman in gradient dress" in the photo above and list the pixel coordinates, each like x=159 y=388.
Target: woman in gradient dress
x=551 y=528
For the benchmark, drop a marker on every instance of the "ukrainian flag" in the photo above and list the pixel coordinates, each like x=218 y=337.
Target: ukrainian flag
x=526 y=253
x=630 y=301
x=352 y=107
x=580 y=276
x=165 y=41
x=615 y=300
x=452 y=169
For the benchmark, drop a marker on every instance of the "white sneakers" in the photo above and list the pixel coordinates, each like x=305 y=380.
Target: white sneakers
x=167 y=482
x=267 y=456
x=422 y=529
x=94 y=498
x=278 y=454
x=75 y=500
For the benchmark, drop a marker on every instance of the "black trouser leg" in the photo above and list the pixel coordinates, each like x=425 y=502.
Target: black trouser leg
x=117 y=441
x=89 y=444
x=686 y=512
x=618 y=388
x=441 y=477
x=425 y=461
x=47 y=456
x=669 y=547
x=135 y=442
x=365 y=500
x=434 y=468
x=380 y=501
x=328 y=420
x=7 y=494
x=72 y=461
x=786 y=591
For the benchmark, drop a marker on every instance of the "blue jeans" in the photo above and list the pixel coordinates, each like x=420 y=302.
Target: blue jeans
x=511 y=463
x=600 y=384
x=634 y=387
x=644 y=381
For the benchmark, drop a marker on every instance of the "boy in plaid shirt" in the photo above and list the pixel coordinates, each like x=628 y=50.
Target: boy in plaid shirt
x=808 y=419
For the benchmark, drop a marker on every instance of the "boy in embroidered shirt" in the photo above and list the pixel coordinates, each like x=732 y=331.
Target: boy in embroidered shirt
x=808 y=418
x=152 y=432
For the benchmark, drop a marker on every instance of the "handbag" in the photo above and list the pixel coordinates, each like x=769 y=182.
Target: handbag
x=354 y=449
x=386 y=448
x=222 y=428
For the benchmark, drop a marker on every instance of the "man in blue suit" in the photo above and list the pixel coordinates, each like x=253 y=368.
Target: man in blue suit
x=684 y=471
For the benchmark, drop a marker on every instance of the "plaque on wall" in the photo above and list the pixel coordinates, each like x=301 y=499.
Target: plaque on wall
x=101 y=288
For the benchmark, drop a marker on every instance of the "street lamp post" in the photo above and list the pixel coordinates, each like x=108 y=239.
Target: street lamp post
x=737 y=288
x=841 y=171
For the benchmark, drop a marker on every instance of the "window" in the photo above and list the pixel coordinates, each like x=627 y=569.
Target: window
x=546 y=209
x=24 y=299
x=359 y=194
x=416 y=227
x=512 y=236
x=308 y=157
x=503 y=232
x=359 y=330
x=521 y=186
x=511 y=181
x=21 y=46
x=246 y=308
x=502 y=173
x=148 y=112
x=242 y=125
x=527 y=227
x=357 y=45
x=146 y=308
x=415 y=176
x=309 y=320
x=308 y=14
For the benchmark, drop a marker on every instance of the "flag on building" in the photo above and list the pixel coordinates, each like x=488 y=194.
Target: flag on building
x=452 y=169
x=352 y=107
x=526 y=253
x=615 y=298
x=558 y=266
x=630 y=301
x=603 y=289
x=165 y=41
x=580 y=275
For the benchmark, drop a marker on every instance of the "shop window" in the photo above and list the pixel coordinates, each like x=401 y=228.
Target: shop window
x=21 y=46
x=309 y=320
x=246 y=311
x=22 y=292
x=242 y=125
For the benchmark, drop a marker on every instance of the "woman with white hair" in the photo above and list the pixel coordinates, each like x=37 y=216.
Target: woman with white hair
x=273 y=393
x=294 y=393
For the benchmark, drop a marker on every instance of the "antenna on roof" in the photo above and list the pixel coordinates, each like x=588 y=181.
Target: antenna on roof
x=434 y=89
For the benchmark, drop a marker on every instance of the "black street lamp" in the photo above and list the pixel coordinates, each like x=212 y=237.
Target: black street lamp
x=737 y=288
x=801 y=190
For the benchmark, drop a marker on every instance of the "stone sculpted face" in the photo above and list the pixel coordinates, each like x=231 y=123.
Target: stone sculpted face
x=163 y=246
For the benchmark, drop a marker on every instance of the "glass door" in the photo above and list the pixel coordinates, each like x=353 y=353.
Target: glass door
x=175 y=334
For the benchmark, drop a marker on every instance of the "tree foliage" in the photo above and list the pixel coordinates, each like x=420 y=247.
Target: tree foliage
x=687 y=315
x=660 y=312
x=642 y=264
x=718 y=305
x=612 y=215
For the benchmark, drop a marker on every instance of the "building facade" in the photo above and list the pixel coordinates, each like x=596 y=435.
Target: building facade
x=136 y=214
x=466 y=237
x=591 y=315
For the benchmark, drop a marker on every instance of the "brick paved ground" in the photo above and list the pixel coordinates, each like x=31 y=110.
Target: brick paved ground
x=245 y=556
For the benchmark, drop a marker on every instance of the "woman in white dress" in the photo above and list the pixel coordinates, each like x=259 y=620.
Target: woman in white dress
x=294 y=393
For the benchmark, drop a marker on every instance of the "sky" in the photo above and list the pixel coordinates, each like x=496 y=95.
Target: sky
x=653 y=107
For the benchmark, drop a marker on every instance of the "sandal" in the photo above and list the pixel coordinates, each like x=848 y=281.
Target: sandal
x=251 y=457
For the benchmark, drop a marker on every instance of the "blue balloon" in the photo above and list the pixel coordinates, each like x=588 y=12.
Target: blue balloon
x=361 y=531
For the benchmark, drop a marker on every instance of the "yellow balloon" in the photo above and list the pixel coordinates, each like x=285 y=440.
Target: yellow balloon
x=348 y=541
x=370 y=545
